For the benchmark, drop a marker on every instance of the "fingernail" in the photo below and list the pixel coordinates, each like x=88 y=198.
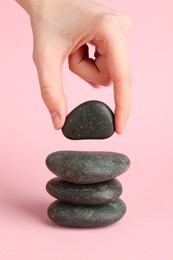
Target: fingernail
x=55 y=119
x=120 y=128
x=123 y=126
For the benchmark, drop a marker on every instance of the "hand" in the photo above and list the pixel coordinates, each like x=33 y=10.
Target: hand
x=62 y=29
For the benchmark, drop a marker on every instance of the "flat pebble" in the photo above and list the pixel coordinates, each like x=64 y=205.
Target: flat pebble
x=86 y=194
x=90 y=120
x=87 y=167
x=86 y=216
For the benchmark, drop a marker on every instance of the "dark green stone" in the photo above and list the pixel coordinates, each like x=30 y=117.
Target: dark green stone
x=87 y=167
x=86 y=216
x=90 y=120
x=86 y=194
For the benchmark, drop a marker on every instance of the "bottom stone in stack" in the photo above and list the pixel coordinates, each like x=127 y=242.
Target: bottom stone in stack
x=86 y=216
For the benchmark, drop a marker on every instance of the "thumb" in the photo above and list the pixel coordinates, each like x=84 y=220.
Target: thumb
x=51 y=85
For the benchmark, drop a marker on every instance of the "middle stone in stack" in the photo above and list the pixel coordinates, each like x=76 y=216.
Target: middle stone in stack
x=86 y=188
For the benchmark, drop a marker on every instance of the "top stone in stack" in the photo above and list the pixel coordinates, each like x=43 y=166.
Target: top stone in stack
x=87 y=167
x=90 y=120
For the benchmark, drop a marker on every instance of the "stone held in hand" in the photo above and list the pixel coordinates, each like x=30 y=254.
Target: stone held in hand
x=84 y=194
x=90 y=120
x=87 y=167
x=86 y=216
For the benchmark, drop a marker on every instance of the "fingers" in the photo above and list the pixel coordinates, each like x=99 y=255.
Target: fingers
x=49 y=68
x=95 y=72
x=119 y=68
x=102 y=71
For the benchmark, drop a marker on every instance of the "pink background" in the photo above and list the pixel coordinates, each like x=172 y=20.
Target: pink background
x=27 y=137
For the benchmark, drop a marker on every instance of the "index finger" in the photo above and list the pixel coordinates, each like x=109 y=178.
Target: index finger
x=119 y=69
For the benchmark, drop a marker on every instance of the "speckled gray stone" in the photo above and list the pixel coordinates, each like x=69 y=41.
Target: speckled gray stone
x=85 y=194
x=90 y=120
x=87 y=167
x=86 y=216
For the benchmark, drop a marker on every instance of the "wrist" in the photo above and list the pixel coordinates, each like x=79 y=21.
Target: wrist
x=28 y=5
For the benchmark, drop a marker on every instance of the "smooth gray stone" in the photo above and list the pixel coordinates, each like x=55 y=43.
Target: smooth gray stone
x=86 y=216
x=86 y=194
x=87 y=167
x=90 y=120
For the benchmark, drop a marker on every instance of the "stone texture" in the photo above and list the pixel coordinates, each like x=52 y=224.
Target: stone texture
x=86 y=194
x=86 y=216
x=90 y=120
x=87 y=167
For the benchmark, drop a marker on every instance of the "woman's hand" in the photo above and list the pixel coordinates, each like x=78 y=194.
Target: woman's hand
x=62 y=29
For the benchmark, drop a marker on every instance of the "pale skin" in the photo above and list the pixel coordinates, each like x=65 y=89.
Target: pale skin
x=63 y=29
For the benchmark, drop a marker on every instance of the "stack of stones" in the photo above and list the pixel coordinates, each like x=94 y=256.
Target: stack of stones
x=86 y=187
